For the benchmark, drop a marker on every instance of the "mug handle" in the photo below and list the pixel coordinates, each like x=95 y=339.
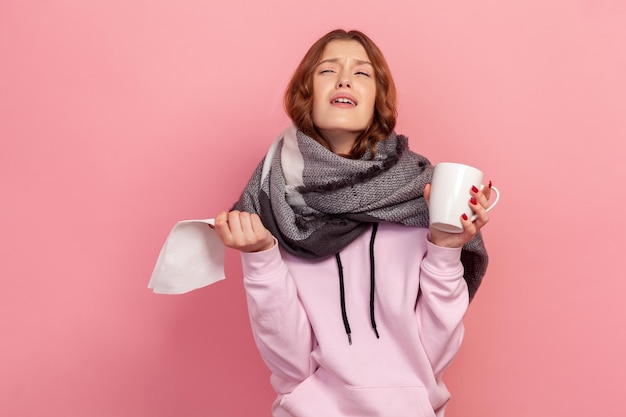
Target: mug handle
x=492 y=205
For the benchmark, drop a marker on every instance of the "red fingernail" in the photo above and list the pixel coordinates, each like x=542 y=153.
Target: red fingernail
x=489 y=183
x=474 y=188
x=464 y=216
x=211 y=226
x=473 y=201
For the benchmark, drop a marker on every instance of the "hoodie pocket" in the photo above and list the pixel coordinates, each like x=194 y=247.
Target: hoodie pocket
x=321 y=396
x=388 y=401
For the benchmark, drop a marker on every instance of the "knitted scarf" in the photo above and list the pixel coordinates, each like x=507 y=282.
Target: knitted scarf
x=315 y=202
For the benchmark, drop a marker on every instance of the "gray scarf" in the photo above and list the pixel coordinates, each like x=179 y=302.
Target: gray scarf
x=315 y=202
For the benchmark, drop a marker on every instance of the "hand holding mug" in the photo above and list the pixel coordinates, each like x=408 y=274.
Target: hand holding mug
x=458 y=203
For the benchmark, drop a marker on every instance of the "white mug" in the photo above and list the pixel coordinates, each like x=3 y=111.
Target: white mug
x=450 y=194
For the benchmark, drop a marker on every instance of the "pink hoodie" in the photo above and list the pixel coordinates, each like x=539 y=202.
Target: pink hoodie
x=296 y=317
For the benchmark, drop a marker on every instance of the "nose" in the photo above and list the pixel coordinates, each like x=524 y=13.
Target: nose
x=344 y=81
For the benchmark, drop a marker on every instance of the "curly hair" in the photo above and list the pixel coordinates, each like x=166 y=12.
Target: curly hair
x=298 y=100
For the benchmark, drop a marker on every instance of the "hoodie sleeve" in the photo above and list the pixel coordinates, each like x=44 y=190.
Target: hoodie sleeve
x=280 y=326
x=442 y=305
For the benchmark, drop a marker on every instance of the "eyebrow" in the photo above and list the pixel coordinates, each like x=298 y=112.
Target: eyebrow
x=335 y=60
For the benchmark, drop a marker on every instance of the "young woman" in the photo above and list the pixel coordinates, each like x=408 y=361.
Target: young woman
x=356 y=305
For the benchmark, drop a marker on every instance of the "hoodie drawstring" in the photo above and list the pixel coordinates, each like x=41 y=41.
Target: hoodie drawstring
x=373 y=279
x=342 y=293
x=342 y=296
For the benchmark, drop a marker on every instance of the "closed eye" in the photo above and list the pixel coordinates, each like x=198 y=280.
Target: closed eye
x=361 y=73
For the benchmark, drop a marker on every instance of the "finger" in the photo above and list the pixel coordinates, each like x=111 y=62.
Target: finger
x=481 y=196
x=234 y=224
x=427 y=193
x=487 y=190
x=257 y=226
x=245 y=223
x=221 y=222
x=221 y=219
x=469 y=228
x=221 y=226
x=481 y=213
x=261 y=232
x=245 y=237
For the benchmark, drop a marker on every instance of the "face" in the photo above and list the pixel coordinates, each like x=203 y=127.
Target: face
x=344 y=94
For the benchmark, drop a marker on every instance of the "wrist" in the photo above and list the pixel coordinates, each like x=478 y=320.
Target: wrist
x=444 y=240
x=267 y=244
x=271 y=241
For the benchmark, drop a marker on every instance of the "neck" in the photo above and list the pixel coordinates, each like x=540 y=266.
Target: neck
x=341 y=142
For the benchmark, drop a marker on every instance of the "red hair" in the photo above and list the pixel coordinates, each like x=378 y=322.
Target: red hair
x=299 y=94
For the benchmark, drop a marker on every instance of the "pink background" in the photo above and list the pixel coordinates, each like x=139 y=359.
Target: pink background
x=119 y=118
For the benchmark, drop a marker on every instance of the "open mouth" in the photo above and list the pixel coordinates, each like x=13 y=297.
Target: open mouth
x=344 y=101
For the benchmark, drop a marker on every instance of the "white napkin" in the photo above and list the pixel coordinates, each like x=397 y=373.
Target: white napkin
x=192 y=257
